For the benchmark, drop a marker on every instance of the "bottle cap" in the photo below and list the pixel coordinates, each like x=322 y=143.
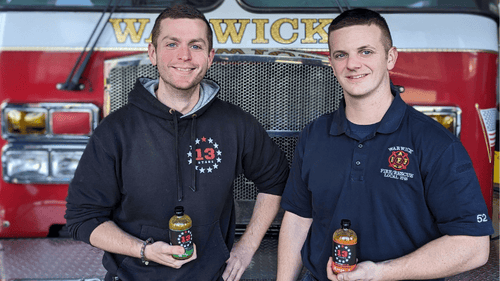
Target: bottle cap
x=345 y=223
x=179 y=211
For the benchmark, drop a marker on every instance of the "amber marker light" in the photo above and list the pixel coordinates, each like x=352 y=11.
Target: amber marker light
x=25 y=122
x=448 y=116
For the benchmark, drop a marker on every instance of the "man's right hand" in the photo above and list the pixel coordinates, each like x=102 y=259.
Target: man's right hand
x=161 y=252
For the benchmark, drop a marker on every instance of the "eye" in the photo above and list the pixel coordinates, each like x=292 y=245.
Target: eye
x=171 y=45
x=339 y=56
x=196 y=47
x=366 y=52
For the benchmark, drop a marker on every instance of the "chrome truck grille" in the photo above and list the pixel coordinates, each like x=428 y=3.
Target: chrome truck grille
x=283 y=93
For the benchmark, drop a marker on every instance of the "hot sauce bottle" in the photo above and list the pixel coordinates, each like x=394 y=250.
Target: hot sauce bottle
x=180 y=233
x=344 y=248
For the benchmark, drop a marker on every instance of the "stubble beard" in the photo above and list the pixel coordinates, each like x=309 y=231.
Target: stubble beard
x=183 y=90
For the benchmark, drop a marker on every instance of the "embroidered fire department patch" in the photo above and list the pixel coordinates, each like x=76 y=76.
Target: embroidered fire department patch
x=206 y=155
x=399 y=160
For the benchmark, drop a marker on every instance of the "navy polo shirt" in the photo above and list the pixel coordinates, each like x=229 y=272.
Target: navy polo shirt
x=402 y=186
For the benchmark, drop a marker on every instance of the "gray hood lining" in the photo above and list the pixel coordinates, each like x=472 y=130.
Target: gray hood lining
x=208 y=91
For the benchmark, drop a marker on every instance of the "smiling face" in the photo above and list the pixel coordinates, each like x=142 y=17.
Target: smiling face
x=359 y=60
x=182 y=54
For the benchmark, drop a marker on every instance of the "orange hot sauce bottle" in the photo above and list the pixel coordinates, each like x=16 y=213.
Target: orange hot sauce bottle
x=344 y=248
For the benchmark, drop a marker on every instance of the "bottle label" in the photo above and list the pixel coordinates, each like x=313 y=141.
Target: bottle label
x=344 y=257
x=182 y=238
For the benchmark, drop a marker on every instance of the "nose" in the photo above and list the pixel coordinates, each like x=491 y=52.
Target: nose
x=184 y=53
x=353 y=63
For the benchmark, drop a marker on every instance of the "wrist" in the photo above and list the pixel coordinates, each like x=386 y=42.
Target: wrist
x=385 y=270
x=249 y=243
x=143 y=250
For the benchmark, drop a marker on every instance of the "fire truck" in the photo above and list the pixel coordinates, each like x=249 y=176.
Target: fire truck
x=65 y=65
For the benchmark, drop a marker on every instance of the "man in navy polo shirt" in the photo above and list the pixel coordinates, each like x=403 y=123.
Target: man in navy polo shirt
x=406 y=183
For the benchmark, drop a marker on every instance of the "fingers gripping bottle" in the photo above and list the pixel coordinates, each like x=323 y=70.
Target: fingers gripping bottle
x=344 y=248
x=180 y=233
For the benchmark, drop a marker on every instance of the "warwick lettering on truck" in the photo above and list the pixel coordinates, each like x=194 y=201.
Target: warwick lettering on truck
x=58 y=58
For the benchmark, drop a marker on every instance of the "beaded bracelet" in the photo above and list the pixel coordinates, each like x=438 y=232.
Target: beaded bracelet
x=143 y=248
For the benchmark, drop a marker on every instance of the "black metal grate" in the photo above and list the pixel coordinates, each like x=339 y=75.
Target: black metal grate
x=57 y=259
x=284 y=96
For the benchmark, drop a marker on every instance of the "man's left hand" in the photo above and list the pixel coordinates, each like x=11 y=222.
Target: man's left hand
x=238 y=261
x=366 y=271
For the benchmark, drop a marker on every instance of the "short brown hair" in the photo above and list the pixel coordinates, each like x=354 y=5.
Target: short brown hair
x=180 y=12
x=361 y=16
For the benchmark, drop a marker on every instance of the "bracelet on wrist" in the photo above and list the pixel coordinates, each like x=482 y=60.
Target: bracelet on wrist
x=143 y=249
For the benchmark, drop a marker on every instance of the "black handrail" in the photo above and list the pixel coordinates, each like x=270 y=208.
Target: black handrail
x=73 y=81
x=340 y=5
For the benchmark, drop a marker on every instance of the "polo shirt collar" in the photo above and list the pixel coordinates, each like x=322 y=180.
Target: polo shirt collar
x=390 y=122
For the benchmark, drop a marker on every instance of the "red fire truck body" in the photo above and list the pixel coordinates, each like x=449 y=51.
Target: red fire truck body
x=447 y=67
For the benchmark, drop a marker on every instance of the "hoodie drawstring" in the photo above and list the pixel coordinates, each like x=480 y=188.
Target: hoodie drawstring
x=180 y=194
x=193 y=134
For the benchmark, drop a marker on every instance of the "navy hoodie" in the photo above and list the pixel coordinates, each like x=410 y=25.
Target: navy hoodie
x=144 y=159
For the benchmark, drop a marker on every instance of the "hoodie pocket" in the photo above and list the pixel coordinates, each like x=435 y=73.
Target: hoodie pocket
x=212 y=253
x=210 y=242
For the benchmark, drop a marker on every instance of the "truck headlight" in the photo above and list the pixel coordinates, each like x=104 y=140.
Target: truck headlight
x=42 y=164
x=22 y=166
x=64 y=163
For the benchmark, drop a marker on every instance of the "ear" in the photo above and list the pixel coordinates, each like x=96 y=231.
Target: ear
x=152 y=53
x=331 y=64
x=392 y=57
x=210 y=58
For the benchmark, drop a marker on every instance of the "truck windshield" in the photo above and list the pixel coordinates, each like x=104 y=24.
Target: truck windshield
x=44 y=4
x=489 y=6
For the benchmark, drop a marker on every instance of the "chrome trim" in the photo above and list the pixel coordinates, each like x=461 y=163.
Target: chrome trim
x=49 y=148
x=335 y=9
x=284 y=133
x=452 y=110
x=50 y=108
x=311 y=59
x=450 y=50
x=318 y=61
x=145 y=49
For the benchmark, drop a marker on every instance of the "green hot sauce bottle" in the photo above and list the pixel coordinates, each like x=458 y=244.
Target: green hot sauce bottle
x=180 y=233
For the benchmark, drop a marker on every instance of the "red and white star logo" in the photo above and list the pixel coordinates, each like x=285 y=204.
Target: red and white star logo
x=206 y=156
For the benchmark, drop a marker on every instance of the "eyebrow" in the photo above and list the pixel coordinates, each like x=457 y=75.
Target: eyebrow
x=365 y=47
x=196 y=40
x=359 y=49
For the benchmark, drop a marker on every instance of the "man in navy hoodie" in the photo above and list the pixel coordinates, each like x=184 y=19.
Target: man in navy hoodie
x=404 y=181
x=174 y=144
